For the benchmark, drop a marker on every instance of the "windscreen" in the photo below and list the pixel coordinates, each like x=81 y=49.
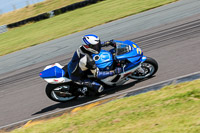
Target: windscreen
x=122 y=48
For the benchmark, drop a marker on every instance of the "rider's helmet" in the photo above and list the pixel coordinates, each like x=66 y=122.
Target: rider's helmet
x=92 y=43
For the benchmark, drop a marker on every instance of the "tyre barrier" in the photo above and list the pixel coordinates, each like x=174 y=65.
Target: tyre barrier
x=53 y=13
x=29 y=20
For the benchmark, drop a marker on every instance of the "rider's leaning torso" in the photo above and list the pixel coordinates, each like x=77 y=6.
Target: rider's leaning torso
x=80 y=64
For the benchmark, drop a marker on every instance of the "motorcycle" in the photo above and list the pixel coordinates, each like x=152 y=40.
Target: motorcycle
x=126 y=54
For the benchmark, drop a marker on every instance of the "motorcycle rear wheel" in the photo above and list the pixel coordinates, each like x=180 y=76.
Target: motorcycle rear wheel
x=150 y=67
x=59 y=93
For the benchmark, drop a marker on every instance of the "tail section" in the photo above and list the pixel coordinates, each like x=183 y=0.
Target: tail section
x=54 y=74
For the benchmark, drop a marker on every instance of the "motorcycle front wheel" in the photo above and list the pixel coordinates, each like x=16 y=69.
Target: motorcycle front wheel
x=150 y=67
x=60 y=92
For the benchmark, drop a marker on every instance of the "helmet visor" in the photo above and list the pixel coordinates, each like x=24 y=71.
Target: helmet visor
x=96 y=47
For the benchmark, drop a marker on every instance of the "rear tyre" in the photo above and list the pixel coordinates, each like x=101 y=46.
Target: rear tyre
x=60 y=92
x=150 y=67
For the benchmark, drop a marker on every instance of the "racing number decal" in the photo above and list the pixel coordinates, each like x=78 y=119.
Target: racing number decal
x=134 y=46
x=139 y=51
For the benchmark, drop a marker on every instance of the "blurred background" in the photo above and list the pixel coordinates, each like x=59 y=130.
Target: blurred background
x=11 y=5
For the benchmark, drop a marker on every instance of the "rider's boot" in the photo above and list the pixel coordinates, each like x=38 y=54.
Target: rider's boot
x=95 y=88
x=91 y=86
x=83 y=91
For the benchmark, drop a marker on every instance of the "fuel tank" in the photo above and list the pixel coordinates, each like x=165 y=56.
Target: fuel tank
x=103 y=60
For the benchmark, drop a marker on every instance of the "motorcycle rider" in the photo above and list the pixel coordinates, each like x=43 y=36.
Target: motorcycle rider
x=82 y=62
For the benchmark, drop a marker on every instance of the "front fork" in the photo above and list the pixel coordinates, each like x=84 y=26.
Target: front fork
x=140 y=69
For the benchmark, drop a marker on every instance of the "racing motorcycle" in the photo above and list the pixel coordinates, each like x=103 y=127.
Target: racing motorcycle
x=126 y=54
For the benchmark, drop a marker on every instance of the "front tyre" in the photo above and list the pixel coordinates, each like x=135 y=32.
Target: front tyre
x=149 y=66
x=60 y=92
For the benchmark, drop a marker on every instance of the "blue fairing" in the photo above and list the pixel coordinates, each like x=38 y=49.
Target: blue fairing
x=134 y=55
x=53 y=72
x=103 y=60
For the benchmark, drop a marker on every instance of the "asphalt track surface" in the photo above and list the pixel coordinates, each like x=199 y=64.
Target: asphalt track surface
x=119 y=28
x=176 y=47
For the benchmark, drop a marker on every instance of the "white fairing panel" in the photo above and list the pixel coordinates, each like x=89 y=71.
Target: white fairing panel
x=123 y=77
x=56 y=64
x=57 y=80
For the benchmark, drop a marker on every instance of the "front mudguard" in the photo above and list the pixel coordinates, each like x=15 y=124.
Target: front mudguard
x=144 y=58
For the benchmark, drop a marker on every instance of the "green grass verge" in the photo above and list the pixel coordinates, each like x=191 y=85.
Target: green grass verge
x=34 y=10
x=73 y=21
x=173 y=109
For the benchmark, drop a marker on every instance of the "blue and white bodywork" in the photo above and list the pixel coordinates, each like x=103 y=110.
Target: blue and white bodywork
x=54 y=74
x=124 y=51
x=127 y=55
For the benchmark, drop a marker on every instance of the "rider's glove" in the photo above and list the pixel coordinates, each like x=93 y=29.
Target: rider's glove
x=118 y=70
x=111 y=42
